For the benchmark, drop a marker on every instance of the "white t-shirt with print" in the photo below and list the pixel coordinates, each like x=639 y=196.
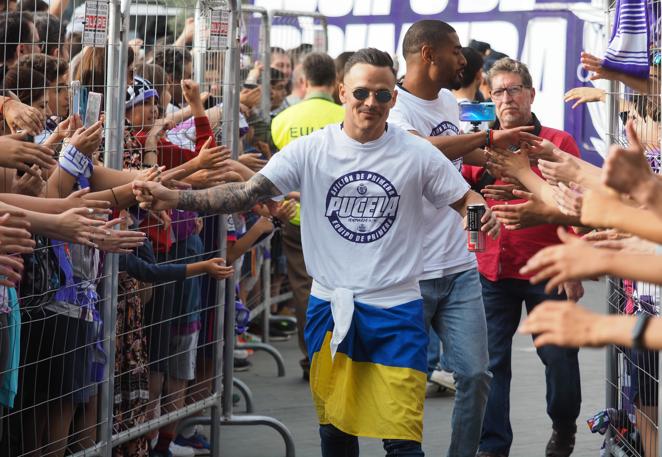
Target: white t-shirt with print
x=361 y=204
x=445 y=241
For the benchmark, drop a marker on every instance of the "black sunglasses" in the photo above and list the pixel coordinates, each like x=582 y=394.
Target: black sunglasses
x=381 y=95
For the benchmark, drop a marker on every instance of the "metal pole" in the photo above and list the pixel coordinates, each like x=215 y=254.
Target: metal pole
x=199 y=45
x=325 y=28
x=611 y=354
x=266 y=311
x=224 y=330
x=116 y=55
x=231 y=137
x=265 y=104
x=264 y=44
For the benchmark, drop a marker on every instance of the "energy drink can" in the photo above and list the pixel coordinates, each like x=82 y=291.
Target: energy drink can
x=475 y=238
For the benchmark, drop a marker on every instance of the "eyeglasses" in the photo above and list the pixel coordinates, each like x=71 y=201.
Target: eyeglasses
x=513 y=91
x=381 y=95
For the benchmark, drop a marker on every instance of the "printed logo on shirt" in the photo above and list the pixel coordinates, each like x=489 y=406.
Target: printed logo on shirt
x=447 y=128
x=362 y=206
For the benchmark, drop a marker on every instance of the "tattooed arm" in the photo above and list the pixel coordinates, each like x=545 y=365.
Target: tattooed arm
x=226 y=198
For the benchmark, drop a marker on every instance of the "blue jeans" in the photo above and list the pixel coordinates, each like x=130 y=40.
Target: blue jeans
x=454 y=309
x=336 y=443
x=436 y=359
x=503 y=307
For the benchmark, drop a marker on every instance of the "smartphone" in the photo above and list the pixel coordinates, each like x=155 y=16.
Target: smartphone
x=93 y=110
x=27 y=139
x=477 y=112
x=74 y=103
x=250 y=86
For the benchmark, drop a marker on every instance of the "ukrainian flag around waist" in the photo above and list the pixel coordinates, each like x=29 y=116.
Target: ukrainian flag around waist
x=390 y=336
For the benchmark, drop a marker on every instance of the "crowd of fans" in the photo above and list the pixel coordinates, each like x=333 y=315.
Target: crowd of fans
x=563 y=220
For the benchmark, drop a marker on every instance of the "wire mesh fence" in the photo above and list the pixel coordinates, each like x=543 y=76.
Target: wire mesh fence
x=633 y=376
x=105 y=351
x=112 y=346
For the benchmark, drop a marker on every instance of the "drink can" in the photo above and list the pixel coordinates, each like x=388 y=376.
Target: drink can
x=475 y=238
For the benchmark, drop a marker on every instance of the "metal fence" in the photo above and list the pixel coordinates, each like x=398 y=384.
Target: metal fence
x=114 y=350
x=632 y=387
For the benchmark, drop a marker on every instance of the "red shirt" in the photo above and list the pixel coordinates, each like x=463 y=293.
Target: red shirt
x=503 y=257
x=173 y=156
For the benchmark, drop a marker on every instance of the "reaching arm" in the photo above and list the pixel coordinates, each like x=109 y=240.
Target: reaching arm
x=606 y=210
x=456 y=146
x=57 y=7
x=565 y=323
x=228 y=198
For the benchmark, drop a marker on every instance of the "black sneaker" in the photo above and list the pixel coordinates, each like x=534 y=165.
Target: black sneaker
x=242 y=364
x=561 y=443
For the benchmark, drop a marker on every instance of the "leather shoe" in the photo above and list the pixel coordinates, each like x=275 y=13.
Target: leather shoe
x=561 y=443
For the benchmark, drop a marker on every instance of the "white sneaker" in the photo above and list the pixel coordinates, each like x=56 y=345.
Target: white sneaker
x=181 y=451
x=241 y=353
x=443 y=378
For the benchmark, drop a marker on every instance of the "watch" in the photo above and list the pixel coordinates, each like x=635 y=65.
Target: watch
x=639 y=330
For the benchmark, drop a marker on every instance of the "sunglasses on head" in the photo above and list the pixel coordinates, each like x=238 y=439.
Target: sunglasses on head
x=381 y=95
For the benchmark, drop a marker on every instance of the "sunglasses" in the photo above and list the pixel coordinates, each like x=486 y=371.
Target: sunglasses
x=381 y=95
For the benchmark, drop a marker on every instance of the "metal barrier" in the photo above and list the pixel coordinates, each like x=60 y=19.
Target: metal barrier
x=291 y=29
x=116 y=347
x=632 y=377
x=255 y=40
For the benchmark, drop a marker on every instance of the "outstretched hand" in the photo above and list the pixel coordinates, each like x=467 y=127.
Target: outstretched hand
x=508 y=163
x=626 y=170
x=22 y=117
x=574 y=259
x=155 y=196
x=564 y=168
x=593 y=64
x=21 y=155
x=562 y=323
x=514 y=137
x=120 y=241
x=569 y=198
x=212 y=157
x=521 y=215
x=584 y=95
x=14 y=235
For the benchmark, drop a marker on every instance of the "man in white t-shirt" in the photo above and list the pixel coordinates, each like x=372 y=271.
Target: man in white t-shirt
x=450 y=284
x=362 y=190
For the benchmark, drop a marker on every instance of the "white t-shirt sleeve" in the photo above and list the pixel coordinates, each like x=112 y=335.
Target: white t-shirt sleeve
x=442 y=184
x=397 y=117
x=284 y=168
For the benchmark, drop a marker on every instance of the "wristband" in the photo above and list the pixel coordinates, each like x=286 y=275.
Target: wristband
x=487 y=138
x=491 y=135
x=639 y=330
x=75 y=162
x=112 y=190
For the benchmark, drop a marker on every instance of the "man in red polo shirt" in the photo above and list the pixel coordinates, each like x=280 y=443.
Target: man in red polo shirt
x=504 y=288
